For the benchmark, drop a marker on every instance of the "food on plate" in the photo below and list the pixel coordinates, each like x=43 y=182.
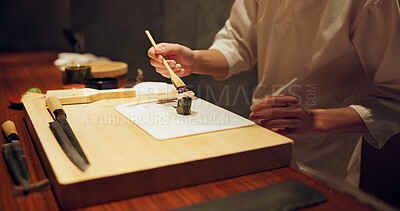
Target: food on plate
x=185 y=102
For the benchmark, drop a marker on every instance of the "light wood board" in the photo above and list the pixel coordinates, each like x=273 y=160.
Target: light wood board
x=88 y=95
x=126 y=161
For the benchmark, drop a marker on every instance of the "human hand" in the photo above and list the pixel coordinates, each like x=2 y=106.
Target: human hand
x=180 y=58
x=284 y=115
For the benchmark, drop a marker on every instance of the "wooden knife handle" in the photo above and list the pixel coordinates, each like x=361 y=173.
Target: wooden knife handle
x=9 y=128
x=54 y=105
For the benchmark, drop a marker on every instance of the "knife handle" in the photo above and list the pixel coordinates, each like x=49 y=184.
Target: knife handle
x=55 y=107
x=10 y=130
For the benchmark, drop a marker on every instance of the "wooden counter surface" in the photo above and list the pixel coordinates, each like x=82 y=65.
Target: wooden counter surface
x=20 y=71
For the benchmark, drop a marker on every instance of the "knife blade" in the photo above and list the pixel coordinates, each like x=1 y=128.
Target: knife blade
x=67 y=146
x=64 y=134
x=15 y=157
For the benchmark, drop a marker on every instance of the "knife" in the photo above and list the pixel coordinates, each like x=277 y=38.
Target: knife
x=15 y=157
x=178 y=83
x=64 y=134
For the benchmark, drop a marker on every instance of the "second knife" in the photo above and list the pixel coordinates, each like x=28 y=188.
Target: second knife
x=64 y=134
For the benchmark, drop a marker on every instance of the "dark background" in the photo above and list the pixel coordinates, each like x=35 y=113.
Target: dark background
x=115 y=29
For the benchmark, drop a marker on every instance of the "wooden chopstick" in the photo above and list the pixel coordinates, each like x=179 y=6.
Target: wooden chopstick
x=283 y=88
x=178 y=83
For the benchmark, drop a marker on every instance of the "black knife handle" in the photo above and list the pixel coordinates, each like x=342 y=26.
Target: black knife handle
x=55 y=107
x=15 y=157
x=10 y=130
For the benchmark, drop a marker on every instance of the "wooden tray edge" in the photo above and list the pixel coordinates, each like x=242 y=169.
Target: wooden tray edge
x=145 y=182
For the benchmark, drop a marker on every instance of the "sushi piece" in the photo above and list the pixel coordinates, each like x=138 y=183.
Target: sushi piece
x=184 y=106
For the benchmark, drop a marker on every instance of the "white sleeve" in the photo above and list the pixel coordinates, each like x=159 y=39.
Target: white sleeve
x=377 y=40
x=237 y=40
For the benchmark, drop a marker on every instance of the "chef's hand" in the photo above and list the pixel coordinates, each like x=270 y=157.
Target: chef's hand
x=284 y=115
x=180 y=58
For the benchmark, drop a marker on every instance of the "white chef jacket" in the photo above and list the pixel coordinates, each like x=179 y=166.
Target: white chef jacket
x=343 y=52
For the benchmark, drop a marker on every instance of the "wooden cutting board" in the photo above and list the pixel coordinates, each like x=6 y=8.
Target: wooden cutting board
x=101 y=69
x=126 y=161
x=109 y=69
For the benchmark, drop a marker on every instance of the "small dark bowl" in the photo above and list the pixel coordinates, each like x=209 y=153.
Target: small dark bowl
x=102 y=83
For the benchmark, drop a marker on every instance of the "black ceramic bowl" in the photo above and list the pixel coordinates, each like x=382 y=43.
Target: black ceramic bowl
x=102 y=83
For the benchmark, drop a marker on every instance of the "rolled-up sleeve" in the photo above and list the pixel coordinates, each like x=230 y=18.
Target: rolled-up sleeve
x=237 y=40
x=377 y=40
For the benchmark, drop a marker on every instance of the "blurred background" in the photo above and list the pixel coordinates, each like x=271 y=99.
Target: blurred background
x=115 y=29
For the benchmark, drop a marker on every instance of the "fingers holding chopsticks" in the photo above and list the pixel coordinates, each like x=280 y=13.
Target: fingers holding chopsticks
x=283 y=114
x=179 y=58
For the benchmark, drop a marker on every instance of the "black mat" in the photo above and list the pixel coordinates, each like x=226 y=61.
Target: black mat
x=287 y=195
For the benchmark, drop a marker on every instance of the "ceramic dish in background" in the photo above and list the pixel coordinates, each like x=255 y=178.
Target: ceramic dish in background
x=102 y=83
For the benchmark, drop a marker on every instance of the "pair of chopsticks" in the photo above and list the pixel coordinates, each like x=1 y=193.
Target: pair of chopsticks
x=178 y=83
x=283 y=88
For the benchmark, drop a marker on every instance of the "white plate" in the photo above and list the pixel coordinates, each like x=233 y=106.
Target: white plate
x=162 y=122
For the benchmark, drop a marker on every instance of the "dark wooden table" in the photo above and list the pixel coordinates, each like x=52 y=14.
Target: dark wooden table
x=20 y=71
